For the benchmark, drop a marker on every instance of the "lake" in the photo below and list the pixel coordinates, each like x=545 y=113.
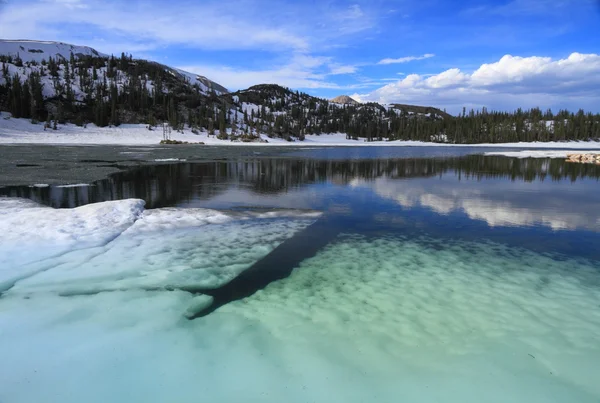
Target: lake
x=319 y=275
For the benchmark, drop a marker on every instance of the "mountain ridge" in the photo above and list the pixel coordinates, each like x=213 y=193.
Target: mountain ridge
x=44 y=84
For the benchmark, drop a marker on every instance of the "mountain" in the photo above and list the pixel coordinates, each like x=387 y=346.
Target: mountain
x=344 y=99
x=57 y=83
x=30 y=51
x=63 y=82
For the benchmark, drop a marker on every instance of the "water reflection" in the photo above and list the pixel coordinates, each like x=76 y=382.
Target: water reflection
x=169 y=185
x=450 y=196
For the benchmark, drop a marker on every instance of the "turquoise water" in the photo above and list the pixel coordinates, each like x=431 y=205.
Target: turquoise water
x=442 y=279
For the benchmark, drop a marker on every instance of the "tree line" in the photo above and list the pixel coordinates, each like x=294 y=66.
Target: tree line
x=115 y=90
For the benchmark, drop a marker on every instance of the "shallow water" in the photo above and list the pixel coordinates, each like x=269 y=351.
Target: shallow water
x=444 y=278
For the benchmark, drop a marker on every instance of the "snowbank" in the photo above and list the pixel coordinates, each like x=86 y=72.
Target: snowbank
x=32 y=233
x=21 y=131
x=543 y=153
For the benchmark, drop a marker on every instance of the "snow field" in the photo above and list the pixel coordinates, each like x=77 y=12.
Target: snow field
x=21 y=131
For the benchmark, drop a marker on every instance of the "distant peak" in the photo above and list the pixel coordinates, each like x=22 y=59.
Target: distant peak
x=344 y=99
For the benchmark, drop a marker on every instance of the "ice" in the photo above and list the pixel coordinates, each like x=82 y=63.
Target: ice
x=474 y=321
x=198 y=304
x=118 y=246
x=366 y=319
x=160 y=255
x=32 y=233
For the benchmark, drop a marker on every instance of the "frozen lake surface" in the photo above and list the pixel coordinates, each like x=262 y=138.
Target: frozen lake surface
x=330 y=275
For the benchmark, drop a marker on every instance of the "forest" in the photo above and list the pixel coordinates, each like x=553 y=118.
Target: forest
x=114 y=90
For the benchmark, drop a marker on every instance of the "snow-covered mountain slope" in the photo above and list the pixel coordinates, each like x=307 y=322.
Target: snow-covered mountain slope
x=201 y=81
x=36 y=51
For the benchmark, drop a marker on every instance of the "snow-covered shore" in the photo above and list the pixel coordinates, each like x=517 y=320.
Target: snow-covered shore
x=22 y=131
x=545 y=153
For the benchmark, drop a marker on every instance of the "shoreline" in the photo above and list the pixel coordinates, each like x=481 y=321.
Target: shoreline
x=18 y=131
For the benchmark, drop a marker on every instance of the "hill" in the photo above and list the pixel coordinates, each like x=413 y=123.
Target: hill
x=62 y=82
x=56 y=83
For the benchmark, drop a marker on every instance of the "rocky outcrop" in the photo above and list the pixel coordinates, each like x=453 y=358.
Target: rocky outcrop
x=584 y=158
x=344 y=99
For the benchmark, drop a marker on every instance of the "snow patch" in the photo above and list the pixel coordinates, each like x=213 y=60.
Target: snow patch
x=75 y=185
x=538 y=153
x=169 y=160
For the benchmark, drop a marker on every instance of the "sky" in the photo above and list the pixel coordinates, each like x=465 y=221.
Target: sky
x=499 y=54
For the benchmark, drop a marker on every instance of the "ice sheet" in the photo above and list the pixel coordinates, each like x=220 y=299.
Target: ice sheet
x=366 y=319
x=524 y=324
x=162 y=255
x=117 y=245
x=31 y=233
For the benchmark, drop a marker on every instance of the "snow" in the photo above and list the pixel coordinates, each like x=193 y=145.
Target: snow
x=22 y=131
x=35 y=51
x=74 y=185
x=38 y=50
x=83 y=249
x=32 y=233
x=541 y=153
x=170 y=160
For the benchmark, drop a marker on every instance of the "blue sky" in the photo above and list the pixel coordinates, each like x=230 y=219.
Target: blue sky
x=500 y=54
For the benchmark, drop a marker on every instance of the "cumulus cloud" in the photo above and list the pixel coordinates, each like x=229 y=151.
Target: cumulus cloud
x=405 y=59
x=511 y=82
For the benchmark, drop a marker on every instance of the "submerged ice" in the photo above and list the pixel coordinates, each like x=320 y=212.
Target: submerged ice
x=523 y=325
x=376 y=319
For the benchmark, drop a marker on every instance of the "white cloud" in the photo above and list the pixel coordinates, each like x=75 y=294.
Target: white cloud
x=353 y=12
x=208 y=25
x=299 y=72
x=288 y=35
x=509 y=83
x=337 y=69
x=68 y=3
x=405 y=59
